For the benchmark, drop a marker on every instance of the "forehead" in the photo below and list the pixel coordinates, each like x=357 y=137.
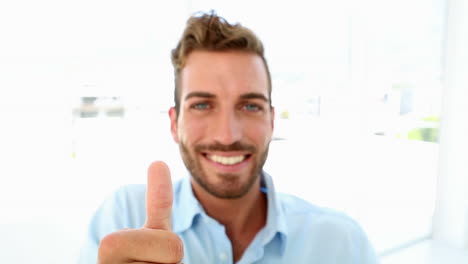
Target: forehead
x=225 y=74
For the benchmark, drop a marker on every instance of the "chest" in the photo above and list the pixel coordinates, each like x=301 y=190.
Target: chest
x=211 y=245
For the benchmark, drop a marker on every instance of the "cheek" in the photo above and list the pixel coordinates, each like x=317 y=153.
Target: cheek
x=190 y=132
x=261 y=134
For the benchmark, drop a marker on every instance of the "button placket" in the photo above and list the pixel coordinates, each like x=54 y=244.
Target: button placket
x=223 y=247
x=223 y=256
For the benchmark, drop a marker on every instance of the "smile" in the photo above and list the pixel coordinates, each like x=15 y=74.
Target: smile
x=227 y=160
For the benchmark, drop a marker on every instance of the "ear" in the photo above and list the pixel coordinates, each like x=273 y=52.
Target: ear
x=272 y=111
x=173 y=117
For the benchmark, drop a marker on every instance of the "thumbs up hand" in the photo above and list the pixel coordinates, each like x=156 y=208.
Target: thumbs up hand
x=154 y=242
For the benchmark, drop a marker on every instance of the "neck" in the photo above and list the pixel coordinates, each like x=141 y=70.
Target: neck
x=243 y=217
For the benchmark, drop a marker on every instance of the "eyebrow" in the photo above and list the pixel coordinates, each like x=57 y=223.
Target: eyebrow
x=199 y=94
x=254 y=96
x=244 y=96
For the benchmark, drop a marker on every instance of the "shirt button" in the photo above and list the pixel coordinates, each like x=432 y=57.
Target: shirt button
x=223 y=256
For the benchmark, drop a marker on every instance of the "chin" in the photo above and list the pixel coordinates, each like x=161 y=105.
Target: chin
x=227 y=185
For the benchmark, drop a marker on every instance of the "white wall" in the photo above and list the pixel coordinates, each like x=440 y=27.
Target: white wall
x=451 y=216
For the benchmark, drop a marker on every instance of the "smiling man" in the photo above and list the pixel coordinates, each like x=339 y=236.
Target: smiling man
x=224 y=123
x=227 y=210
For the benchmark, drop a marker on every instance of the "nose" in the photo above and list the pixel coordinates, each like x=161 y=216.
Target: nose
x=227 y=128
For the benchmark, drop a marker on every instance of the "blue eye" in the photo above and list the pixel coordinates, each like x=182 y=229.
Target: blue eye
x=252 y=107
x=201 y=106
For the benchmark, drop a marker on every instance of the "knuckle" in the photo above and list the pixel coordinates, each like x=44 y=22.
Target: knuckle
x=175 y=248
x=108 y=247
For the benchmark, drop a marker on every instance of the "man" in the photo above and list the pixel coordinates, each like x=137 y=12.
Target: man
x=227 y=211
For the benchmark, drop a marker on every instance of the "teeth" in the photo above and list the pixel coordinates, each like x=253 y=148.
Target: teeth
x=226 y=160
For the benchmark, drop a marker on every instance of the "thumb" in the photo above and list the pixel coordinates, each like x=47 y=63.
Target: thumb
x=159 y=197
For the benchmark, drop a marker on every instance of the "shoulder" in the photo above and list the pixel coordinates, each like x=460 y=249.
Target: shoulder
x=319 y=220
x=327 y=232
x=128 y=204
x=122 y=209
x=324 y=234
x=128 y=194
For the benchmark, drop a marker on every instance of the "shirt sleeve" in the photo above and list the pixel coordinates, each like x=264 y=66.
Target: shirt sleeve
x=361 y=248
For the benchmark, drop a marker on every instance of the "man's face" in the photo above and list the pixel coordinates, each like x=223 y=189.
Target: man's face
x=225 y=121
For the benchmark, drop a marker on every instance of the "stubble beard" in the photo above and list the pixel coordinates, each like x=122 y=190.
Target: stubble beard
x=231 y=186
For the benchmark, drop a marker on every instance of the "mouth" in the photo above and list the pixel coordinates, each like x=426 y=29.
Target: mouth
x=227 y=161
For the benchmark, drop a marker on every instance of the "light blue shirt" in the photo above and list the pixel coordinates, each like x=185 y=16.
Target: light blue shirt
x=296 y=232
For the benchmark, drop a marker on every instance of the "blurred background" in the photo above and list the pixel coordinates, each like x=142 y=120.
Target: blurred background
x=370 y=97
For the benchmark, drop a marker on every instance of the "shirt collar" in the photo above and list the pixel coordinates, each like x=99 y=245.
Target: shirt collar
x=187 y=207
x=276 y=221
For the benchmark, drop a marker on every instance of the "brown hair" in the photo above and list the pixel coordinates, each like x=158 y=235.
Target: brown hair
x=211 y=32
